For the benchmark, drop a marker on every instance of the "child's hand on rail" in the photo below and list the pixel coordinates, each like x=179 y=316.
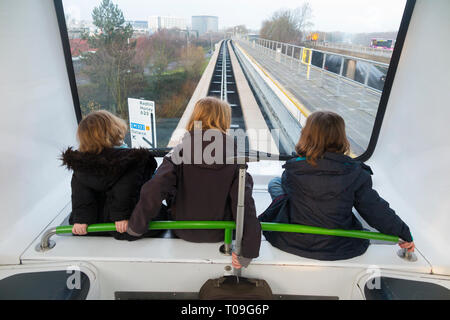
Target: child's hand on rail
x=79 y=229
x=122 y=226
x=407 y=245
x=235 y=261
x=239 y=261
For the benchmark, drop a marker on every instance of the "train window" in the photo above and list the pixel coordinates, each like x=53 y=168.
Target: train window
x=404 y=289
x=296 y=57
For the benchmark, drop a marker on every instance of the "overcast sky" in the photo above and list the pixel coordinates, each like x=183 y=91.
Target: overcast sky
x=328 y=15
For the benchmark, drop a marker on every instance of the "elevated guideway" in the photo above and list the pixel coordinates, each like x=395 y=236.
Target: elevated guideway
x=306 y=87
x=200 y=92
x=225 y=79
x=251 y=111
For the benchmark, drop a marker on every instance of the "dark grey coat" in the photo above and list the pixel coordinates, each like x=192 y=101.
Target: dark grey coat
x=202 y=192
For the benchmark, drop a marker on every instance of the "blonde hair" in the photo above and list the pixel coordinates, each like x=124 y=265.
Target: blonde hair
x=213 y=114
x=100 y=130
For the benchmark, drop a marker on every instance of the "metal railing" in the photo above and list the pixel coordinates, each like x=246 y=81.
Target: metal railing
x=294 y=55
x=227 y=226
x=356 y=48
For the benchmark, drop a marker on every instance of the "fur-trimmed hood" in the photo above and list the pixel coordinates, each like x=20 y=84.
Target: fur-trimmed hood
x=111 y=161
x=106 y=186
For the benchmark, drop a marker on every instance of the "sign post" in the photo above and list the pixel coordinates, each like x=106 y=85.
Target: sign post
x=142 y=123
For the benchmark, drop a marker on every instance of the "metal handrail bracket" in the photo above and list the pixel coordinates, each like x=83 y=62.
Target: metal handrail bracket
x=46 y=243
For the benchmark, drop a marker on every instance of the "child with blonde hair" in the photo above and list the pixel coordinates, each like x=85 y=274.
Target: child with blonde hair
x=107 y=176
x=200 y=184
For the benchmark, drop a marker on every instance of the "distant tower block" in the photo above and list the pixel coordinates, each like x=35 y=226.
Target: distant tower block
x=205 y=24
x=156 y=23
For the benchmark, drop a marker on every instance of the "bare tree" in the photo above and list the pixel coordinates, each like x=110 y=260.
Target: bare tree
x=287 y=25
x=302 y=17
x=241 y=29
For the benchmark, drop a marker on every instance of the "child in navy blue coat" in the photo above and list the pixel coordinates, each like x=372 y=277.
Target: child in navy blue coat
x=320 y=188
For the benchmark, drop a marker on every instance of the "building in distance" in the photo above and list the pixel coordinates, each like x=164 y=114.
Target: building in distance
x=139 y=24
x=205 y=24
x=140 y=28
x=156 y=23
x=76 y=29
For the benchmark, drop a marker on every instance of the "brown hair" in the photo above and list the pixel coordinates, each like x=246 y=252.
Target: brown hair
x=99 y=130
x=213 y=113
x=324 y=132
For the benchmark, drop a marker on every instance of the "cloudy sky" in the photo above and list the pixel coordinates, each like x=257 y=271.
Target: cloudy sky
x=328 y=15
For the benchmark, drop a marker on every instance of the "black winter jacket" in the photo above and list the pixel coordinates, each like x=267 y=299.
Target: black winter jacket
x=324 y=196
x=106 y=186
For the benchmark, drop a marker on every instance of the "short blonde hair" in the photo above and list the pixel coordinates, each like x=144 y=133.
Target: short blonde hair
x=100 y=130
x=213 y=114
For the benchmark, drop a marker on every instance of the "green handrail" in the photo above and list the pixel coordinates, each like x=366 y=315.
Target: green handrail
x=297 y=228
x=229 y=226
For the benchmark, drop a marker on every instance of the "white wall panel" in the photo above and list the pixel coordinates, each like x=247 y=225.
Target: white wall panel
x=412 y=158
x=37 y=122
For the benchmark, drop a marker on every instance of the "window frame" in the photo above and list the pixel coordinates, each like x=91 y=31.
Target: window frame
x=401 y=36
x=382 y=106
x=59 y=9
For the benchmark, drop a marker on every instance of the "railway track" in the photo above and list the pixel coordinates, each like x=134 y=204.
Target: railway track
x=257 y=115
x=223 y=86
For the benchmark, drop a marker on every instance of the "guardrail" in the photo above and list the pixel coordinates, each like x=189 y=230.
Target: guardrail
x=307 y=56
x=356 y=48
x=227 y=226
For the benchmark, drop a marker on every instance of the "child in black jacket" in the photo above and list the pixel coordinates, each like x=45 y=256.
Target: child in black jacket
x=107 y=177
x=320 y=188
